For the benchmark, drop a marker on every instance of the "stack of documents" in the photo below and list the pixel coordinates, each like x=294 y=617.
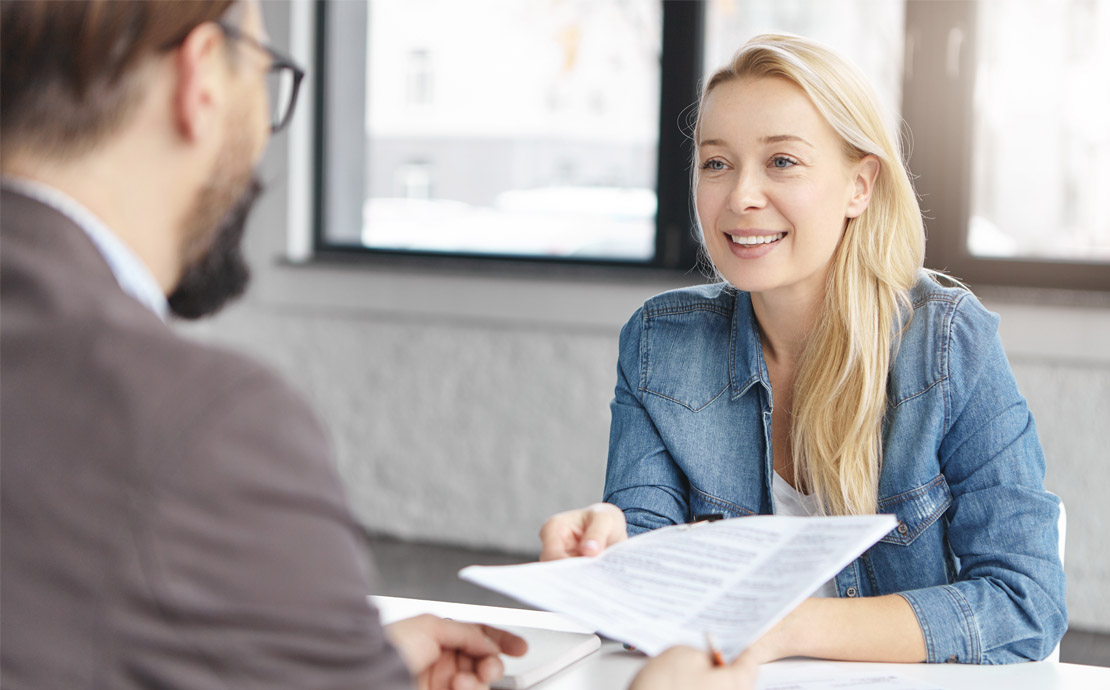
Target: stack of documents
x=733 y=578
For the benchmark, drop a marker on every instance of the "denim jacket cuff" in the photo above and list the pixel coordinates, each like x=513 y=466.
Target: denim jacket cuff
x=947 y=624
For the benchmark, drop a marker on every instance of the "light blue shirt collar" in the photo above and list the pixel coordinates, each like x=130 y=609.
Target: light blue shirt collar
x=131 y=273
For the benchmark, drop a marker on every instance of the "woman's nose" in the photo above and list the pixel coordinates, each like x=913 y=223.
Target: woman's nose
x=747 y=194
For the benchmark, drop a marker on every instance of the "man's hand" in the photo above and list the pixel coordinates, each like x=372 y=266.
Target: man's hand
x=444 y=654
x=686 y=667
x=583 y=532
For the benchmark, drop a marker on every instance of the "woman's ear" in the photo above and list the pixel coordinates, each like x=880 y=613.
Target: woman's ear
x=866 y=172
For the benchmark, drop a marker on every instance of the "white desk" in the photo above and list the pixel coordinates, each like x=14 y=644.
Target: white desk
x=612 y=668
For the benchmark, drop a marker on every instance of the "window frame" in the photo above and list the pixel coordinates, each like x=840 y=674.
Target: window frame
x=939 y=162
x=677 y=248
x=940 y=59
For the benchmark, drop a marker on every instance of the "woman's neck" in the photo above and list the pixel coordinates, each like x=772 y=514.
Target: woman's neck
x=785 y=321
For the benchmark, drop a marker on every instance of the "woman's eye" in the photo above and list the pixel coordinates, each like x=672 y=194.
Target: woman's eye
x=713 y=164
x=783 y=162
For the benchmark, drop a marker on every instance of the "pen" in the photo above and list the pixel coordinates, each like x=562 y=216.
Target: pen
x=715 y=655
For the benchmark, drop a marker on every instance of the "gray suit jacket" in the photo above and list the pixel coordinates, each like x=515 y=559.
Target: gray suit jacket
x=171 y=517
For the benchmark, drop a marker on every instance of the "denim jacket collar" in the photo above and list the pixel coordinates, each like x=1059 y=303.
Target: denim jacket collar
x=747 y=367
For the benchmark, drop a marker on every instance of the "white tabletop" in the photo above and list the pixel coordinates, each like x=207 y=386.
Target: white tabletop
x=612 y=667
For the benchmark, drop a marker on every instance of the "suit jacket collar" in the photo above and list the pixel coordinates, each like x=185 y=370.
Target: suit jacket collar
x=130 y=272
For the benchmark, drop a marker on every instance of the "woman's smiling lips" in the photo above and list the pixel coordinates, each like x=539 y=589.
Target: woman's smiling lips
x=752 y=244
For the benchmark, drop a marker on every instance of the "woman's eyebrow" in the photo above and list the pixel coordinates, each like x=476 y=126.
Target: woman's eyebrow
x=765 y=140
x=785 y=137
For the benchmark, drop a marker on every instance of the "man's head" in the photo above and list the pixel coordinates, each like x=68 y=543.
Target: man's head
x=73 y=70
x=171 y=95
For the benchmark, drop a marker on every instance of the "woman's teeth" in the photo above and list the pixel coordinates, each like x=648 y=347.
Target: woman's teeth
x=757 y=239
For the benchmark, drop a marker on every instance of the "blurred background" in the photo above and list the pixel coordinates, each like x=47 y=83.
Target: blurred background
x=474 y=196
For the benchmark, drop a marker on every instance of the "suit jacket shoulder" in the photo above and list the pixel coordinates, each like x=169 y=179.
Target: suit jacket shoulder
x=171 y=513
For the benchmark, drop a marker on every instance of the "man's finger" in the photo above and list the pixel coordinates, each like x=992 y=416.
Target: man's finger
x=510 y=644
x=467 y=638
x=467 y=681
x=464 y=663
x=490 y=669
x=442 y=672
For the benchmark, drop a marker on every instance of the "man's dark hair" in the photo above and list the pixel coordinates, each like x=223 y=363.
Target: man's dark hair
x=69 y=68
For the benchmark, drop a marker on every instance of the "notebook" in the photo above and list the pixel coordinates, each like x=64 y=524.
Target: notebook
x=554 y=642
x=549 y=651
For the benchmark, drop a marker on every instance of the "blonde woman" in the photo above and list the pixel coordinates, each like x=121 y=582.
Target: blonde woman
x=829 y=374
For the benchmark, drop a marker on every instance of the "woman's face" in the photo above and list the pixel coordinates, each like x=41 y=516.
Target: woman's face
x=774 y=187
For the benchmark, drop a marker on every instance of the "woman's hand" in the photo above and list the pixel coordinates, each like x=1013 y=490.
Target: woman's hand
x=583 y=532
x=448 y=655
x=686 y=667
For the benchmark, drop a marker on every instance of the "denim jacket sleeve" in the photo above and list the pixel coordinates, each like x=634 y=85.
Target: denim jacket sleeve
x=1007 y=601
x=641 y=477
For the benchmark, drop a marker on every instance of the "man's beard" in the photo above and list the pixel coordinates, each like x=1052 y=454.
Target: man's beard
x=218 y=272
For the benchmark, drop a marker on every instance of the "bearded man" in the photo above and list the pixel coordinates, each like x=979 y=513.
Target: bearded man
x=171 y=516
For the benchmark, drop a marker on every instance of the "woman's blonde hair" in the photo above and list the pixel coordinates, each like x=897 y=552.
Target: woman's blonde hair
x=840 y=386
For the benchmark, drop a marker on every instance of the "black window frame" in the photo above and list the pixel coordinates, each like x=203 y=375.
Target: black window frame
x=677 y=247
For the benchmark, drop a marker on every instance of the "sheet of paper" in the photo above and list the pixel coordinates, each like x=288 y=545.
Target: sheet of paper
x=735 y=578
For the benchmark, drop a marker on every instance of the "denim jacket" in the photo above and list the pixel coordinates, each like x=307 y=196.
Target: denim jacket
x=975 y=552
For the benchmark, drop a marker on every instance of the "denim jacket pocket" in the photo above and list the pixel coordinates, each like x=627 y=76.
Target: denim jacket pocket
x=703 y=505
x=668 y=370
x=916 y=509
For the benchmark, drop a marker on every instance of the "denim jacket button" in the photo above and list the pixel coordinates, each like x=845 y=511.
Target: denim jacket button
x=952 y=659
x=902 y=529
x=851 y=591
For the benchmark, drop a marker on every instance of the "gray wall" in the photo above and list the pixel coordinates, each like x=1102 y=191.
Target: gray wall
x=467 y=408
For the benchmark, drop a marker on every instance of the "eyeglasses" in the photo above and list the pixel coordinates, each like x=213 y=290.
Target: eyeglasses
x=283 y=79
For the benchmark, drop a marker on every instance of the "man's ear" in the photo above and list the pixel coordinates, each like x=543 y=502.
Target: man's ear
x=199 y=95
x=867 y=171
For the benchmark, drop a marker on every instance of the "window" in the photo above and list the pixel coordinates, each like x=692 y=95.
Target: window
x=500 y=129
x=514 y=106
x=542 y=130
x=870 y=33
x=557 y=132
x=1018 y=98
x=1012 y=146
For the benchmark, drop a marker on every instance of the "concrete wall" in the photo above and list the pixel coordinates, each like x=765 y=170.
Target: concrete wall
x=466 y=408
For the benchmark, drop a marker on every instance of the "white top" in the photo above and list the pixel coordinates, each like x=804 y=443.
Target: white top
x=129 y=270
x=790 y=501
